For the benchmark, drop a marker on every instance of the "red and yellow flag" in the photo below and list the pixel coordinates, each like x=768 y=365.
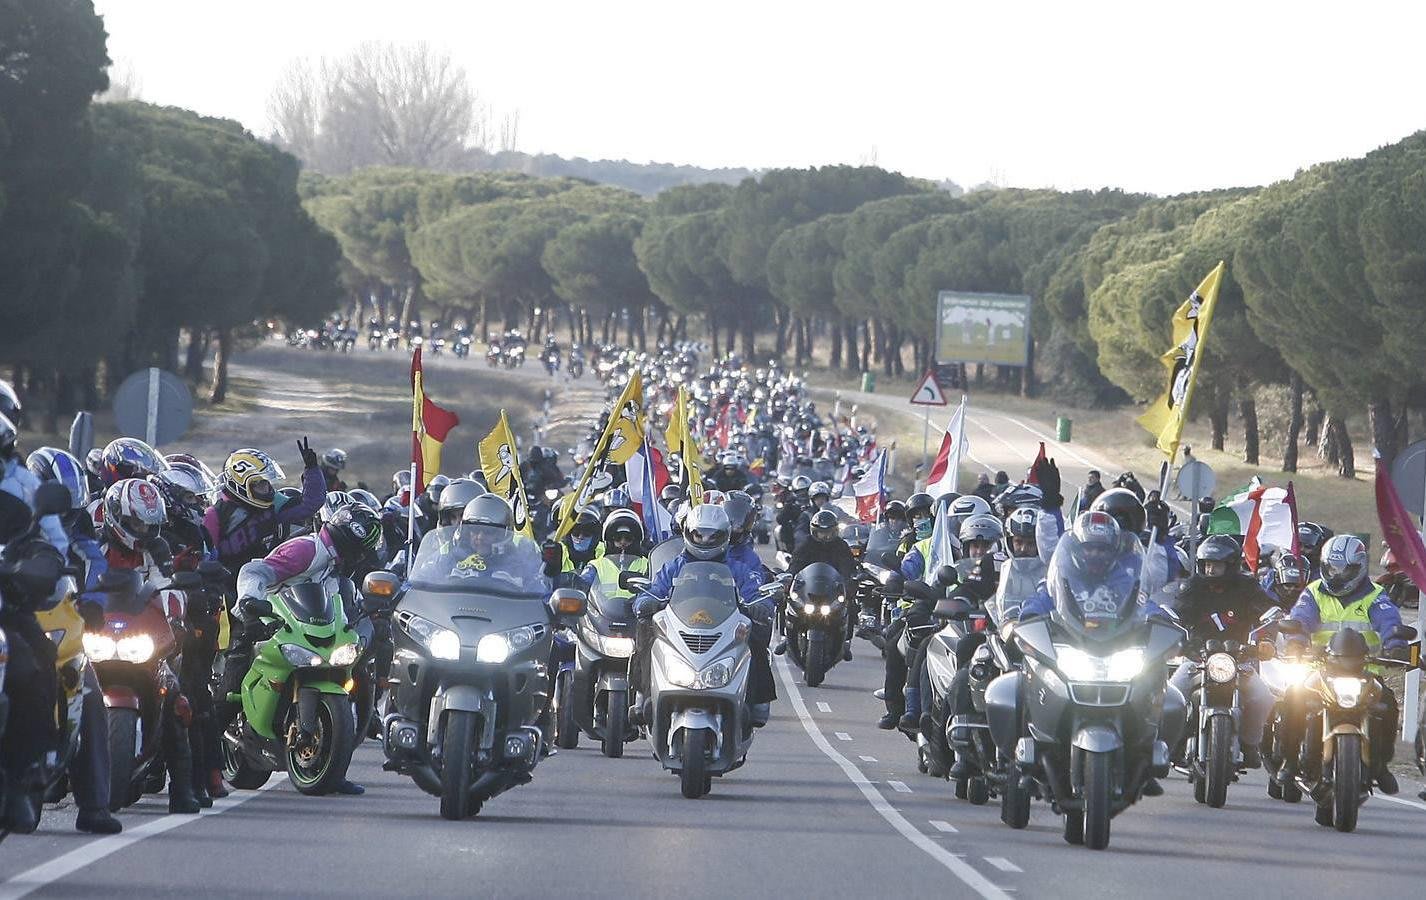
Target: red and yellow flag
x=429 y=426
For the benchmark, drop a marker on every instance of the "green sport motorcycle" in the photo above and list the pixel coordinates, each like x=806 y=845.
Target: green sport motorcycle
x=296 y=710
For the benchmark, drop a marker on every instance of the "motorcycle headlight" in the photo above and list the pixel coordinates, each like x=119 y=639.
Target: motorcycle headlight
x=809 y=608
x=499 y=646
x=100 y=647
x=445 y=644
x=679 y=673
x=1221 y=667
x=135 y=648
x=1348 y=691
x=826 y=609
x=621 y=647
x=299 y=656
x=715 y=676
x=344 y=655
x=1076 y=665
x=1293 y=672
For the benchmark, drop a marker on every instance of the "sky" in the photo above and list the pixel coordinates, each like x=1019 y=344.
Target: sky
x=1146 y=96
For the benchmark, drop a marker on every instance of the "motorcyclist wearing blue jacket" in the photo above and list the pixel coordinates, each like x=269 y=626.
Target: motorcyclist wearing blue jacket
x=706 y=538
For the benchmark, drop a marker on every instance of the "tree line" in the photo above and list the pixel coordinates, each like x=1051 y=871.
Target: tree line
x=124 y=226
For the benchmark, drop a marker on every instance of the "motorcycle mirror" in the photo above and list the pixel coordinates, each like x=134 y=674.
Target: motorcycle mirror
x=186 y=581
x=1289 y=626
x=383 y=585
x=569 y=602
x=212 y=570
x=945 y=576
x=1272 y=615
x=632 y=581
x=1266 y=650
x=955 y=610
x=52 y=499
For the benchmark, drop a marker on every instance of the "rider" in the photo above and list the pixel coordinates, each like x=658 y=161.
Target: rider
x=578 y=549
x=1311 y=538
x=706 y=536
x=826 y=546
x=623 y=550
x=246 y=520
x=920 y=517
x=332 y=464
x=330 y=554
x=1345 y=598
x=1287 y=580
x=1220 y=602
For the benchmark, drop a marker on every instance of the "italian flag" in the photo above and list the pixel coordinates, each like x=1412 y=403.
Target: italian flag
x=1262 y=516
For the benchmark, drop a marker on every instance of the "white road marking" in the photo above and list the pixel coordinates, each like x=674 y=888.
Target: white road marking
x=1402 y=800
x=76 y=859
x=868 y=758
x=943 y=827
x=899 y=786
x=823 y=706
x=957 y=867
x=1003 y=864
x=843 y=736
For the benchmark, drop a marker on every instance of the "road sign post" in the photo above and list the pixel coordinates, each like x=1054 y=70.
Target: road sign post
x=1195 y=480
x=154 y=405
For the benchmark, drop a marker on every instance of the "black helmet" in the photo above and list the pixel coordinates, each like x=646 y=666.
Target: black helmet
x=918 y=505
x=355 y=531
x=587 y=522
x=1123 y=506
x=894 y=510
x=824 y=525
x=741 y=509
x=1219 y=548
x=623 y=524
x=1311 y=537
x=454 y=498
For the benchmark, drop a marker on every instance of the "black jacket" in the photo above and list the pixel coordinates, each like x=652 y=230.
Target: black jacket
x=835 y=553
x=1226 y=609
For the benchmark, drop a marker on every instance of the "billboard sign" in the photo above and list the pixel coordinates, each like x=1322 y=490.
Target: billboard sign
x=982 y=328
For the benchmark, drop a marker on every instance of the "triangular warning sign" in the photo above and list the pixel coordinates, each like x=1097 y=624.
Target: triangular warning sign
x=928 y=392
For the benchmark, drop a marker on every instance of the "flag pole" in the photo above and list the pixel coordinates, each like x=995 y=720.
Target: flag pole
x=411 y=515
x=925 y=439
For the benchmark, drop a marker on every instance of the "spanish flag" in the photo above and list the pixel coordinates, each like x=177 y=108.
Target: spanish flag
x=621 y=439
x=1165 y=418
x=680 y=441
x=429 y=426
x=500 y=461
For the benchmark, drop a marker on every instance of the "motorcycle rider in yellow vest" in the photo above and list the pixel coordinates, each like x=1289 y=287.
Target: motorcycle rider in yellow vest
x=1345 y=598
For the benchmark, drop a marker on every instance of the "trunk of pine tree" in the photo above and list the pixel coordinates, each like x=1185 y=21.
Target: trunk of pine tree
x=835 y=359
x=1027 y=372
x=1335 y=446
x=1294 y=423
x=1384 y=429
x=1248 y=412
x=219 y=391
x=1218 y=419
x=750 y=340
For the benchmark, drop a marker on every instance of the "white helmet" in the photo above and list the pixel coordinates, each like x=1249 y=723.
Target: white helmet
x=706 y=532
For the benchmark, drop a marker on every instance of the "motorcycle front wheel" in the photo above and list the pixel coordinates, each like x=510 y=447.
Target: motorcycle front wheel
x=318 y=767
x=814 y=665
x=566 y=728
x=123 y=737
x=457 y=770
x=616 y=723
x=1219 y=771
x=1098 y=770
x=1346 y=781
x=694 y=780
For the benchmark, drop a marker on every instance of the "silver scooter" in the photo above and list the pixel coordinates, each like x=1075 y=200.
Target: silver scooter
x=699 y=721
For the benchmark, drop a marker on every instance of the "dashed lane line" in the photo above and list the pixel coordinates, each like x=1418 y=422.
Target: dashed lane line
x=900 y=787
x=823 y=706
x=867 y=758
x=944 y=827
x=47 y=873
x=955 y=865
x=1003 y=864
x=843 y=736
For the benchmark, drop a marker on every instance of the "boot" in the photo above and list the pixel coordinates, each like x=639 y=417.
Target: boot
x=1152 y=788
x=911 y=719
x=1387 y=782
x=781 y=647
x=21 y=814
x=97 y=821
x=761 y=713
x=960 y=768
x=180 y=766
x=216 y=788
x=1252 y=757
x=888 y=721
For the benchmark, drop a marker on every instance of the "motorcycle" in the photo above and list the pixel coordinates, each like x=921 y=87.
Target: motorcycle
x=461 y=349
x=493 y=356
x=471 y=682
x=135 y=657
x=1339 y=694
x=1212 y=757
x=515 y=356
x=551 y=361
x=699 y=720
x=599 y=693
x=295 y=695
x=575 y=366
x=816 y=621
x=1081 y=722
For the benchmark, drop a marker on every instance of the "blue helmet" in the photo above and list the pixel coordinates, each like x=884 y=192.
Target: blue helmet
x=54 y=464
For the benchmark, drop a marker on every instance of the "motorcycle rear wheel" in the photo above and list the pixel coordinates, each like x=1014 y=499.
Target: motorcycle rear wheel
x=240 y=773
x=616 y=723
x=1097 y=790
x=457 y=770
x=1346 y=781
x=1219 y=771
x=694 y=779
x=978 y=790
x=1074 y=827
x=1014 y=800
x=123 y=736
x=566 y=729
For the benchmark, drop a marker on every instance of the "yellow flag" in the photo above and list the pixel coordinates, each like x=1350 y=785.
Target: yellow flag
x=680 y=441
x=500 y=461
x=621 y=439
x=1166 y=416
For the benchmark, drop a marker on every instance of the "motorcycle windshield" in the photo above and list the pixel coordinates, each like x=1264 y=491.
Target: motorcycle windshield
x=476 y=558
x=704 y=595
x=663 y=553
x=611 y=601
x=1095 y=588
x=1020 y=577
x=818 y=583
x=310 y=603
x=881 y=547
